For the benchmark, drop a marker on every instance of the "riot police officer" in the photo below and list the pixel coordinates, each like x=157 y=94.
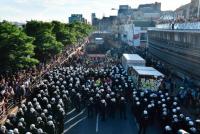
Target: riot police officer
x=143 y=122
x=122 y=108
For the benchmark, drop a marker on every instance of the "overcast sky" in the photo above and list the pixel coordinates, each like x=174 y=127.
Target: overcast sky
x=47 y=10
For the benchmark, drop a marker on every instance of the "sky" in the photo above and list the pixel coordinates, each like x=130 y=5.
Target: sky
x=47 y=10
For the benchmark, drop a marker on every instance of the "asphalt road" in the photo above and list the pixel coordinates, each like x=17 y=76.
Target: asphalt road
x=78 y=123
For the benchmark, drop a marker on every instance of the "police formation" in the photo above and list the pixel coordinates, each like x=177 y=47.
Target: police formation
x=65 y=88
x=106 y=92
x=156 y=106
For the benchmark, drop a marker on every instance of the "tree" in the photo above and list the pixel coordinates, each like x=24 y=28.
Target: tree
x=70 y=33
x=79 y=30
x=45 y=41
x=63 y=33
x=60 y=31
x=58 y=26
x=34 y=28
x=19 y=47
x=47 y=46
x=16 y=48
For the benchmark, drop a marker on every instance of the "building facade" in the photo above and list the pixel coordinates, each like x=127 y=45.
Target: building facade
x=125 y=10
x=154 y=6
x=183 y=11
x=77 y=18
x=194 y=8
x=93 y=17
x=149 y=11
x=188 y=11
x=144 y=16
x=143 y=12
x=179 y=49
x=126 y=33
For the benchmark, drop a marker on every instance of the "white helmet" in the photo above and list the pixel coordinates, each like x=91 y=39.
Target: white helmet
x=145 y=112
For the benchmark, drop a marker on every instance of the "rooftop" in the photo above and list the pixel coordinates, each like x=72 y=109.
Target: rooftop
x=141 y=70
x=133 y=57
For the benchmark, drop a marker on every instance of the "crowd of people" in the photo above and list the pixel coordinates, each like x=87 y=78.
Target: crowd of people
x=62 y=88
x=16 y=86
x=149 y=105
x=180 y=24
x=190 y=97
x=178 y=20
x=104 y=90
x=184 y=89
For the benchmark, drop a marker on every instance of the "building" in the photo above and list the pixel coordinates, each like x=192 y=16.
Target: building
x=179 y=50
x=130 y=25
x=150 y=11
x=130 y=34
x=144 y=16
x=194 y=9
x=125 y=10
x=183 y=11
x=188 y=11
x=105 y=24
x=167 y=15
x=146 y=12
x=150 y=7
x=126 y=33
x=77 y=18
x=93 y=18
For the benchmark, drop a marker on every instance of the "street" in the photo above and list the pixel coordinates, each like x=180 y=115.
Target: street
x=78 y=123
x=99 y=67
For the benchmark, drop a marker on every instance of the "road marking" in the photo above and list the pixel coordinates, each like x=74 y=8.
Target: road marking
x=97 y=123
x=71 y=111
x=75 y=116
x=71 y=126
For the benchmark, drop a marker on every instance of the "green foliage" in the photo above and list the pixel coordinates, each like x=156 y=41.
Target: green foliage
x=62 y=33
x=33 y=28
x=37 y=40
x=58 y=26
x=45 y=41
x=80 y=30
x=47 y=46
x=16 y=48
x=70 y=33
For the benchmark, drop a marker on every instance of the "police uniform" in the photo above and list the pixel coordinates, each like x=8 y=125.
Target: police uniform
x=143 y=122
